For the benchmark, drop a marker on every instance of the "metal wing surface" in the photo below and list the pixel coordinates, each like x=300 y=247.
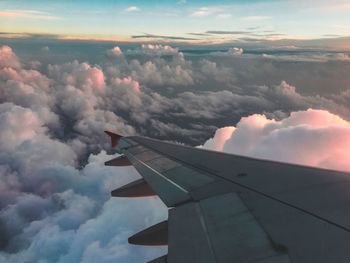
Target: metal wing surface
x=229 y=208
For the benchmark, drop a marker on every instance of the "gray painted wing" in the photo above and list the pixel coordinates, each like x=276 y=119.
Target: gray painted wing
x=228 y=208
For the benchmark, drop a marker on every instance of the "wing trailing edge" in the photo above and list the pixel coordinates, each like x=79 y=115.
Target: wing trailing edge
x=119 y=161
x=138 y=188
x=156 y=235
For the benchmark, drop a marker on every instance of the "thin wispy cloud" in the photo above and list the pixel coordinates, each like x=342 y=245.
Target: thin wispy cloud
x=331 y=35
x=210 y=10
x=203 y=11
x=224 y=16
x=256 y=17
x=132 y=9
x=199 y=34
x=28 y=35
x=31 y=14
x=221 y=32
x=163 y=37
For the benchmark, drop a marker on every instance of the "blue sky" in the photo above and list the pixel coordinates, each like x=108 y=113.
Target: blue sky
x=106 y=19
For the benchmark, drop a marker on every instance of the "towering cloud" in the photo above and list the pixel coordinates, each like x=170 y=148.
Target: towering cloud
x=312 y=137
x=114 y=52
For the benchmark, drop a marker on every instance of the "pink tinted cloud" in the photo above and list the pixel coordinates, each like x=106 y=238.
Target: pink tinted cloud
x=312 y=137
x=31 y=14
x=114 y=52
x=221 y=136
x=8 y=58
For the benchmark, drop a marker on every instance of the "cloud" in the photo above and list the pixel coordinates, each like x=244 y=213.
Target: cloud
x=224 y=16
x=45 y=201
x=221 y=136
x=132 y=9
x=203 y=11
x=209 y=10
x=31 y=14
x=312 y=137
x=45 y=49
x=8 y=58
x=220 y=32
x=256 y=18
x=114 y=52
x=199 y=34
x=17 y=125
x=163 y=37
x=76 y=219
x=235 y=51
x=157 y=49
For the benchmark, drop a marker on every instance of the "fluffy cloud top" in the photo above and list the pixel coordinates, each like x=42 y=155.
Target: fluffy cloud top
x=154 y=49
x=312 y=137
x=8 y=58
x=159 y=47
x=114 y=52
x=235 y=51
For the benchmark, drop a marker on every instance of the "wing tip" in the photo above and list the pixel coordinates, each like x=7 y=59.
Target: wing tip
x=114 y=137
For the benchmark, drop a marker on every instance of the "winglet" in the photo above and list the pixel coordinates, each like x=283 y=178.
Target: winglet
x=114 y=138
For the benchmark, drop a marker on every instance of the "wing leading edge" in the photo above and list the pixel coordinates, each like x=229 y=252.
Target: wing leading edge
x=228 y=208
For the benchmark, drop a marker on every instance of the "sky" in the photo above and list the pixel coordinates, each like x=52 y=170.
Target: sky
x=267 y=79
x=190 y=21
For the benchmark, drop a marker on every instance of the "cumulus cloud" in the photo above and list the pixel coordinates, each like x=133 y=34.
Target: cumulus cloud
x=114 y=52
x=311 y=137
x=47 y=203
x=53 y=184
x=81 y=75
x=154 y=49
x=17 y=125
x=235 y=51
x=75 y=219
x=8 y=58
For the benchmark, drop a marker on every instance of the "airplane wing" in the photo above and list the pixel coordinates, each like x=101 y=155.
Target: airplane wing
x=228 y=208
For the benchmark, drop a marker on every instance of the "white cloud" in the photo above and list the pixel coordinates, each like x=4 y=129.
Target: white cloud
x=205 y=11
x=132 y=9
x=312 y=137
x=202 y=12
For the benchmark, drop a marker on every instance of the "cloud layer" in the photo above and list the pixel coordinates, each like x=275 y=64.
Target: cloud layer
x=54 y=189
